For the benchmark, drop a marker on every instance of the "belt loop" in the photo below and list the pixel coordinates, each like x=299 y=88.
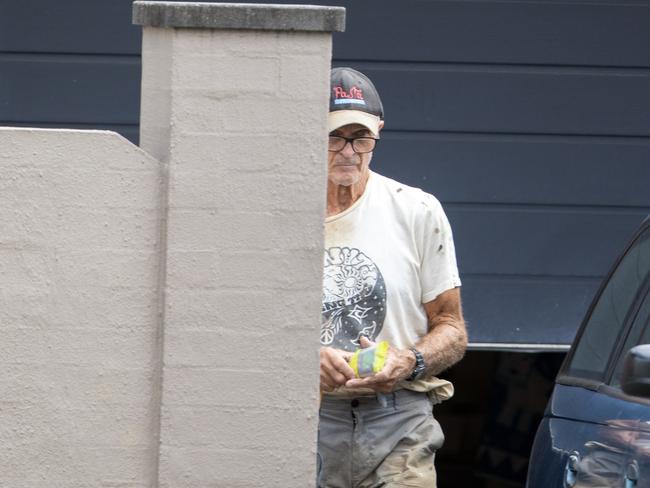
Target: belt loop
x=394 y=395
x=382 y=399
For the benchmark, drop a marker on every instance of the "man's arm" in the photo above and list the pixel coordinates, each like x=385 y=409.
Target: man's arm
x=442 y=346
x=445 y=343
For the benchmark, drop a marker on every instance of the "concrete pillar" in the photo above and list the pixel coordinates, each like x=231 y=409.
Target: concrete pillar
x=234 y=102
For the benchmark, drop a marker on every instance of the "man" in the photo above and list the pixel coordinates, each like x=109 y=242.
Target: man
x=389 y=274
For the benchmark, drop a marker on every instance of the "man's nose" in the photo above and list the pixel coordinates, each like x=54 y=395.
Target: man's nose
x=347 y=149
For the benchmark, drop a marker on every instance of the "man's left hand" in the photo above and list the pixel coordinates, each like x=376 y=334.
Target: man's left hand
x=398 y=366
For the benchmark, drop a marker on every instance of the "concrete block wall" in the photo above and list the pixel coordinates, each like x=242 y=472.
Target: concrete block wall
x=246 y=158
x=79 y=213
x=160 y=309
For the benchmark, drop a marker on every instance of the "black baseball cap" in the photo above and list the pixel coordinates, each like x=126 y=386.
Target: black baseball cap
x=353 y=100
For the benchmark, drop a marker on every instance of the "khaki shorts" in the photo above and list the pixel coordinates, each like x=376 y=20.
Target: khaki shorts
x=369 y=442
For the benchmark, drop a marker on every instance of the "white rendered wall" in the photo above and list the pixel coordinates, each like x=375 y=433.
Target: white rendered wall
x=79 y=229
x=159 y=322
x=245 y=146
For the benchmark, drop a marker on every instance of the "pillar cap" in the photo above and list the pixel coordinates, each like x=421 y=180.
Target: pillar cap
x=250 y=16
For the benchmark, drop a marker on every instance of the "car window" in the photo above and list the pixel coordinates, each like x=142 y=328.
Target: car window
x=639 y=334
x=600 y=335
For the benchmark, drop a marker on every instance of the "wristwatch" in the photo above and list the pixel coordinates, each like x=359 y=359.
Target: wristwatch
x=419 y=368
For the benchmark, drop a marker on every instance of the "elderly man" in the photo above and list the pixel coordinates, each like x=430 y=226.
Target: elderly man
x=389 y=274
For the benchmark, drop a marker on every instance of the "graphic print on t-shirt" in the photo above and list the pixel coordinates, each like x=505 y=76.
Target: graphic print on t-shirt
x=354 y=298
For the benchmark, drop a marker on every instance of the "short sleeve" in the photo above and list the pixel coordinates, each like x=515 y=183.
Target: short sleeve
x=438 y=268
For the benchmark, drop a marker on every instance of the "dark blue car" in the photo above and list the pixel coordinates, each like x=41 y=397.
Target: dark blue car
x=596 y=429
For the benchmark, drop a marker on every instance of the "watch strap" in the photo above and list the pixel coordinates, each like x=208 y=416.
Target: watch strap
x=419 y=368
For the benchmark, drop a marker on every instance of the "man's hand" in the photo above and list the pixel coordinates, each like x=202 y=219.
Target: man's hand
x=334 y=368
x=398 y=366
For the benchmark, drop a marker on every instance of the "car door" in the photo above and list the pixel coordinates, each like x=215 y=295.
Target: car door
x=634 y=423
x=587 y=436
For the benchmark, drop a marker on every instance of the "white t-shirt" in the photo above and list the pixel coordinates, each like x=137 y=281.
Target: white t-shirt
x=385 y=256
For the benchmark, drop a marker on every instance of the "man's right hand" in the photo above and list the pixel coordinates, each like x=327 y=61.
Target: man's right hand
x=334 y=368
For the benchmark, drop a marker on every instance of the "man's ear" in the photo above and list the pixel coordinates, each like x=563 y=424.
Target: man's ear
x=381 y=125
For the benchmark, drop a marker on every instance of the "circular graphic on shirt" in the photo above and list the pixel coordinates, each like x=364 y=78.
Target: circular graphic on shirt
x=354 y=298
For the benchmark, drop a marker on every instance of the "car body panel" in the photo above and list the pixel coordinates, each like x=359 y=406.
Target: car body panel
x=593 y=435
x=606 y=438
x=569 y=402
x=598 y=464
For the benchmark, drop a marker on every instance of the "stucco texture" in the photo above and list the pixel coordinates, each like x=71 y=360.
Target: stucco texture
x=79 y=213
x=159 y=318
x=245 y=152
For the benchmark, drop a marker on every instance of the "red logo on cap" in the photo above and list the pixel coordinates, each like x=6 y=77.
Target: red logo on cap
x=355 y=92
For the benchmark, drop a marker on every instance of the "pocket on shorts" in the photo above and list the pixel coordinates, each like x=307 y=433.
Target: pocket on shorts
x=437 y=437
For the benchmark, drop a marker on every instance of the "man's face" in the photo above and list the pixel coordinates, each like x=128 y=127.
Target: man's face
x=345 y=167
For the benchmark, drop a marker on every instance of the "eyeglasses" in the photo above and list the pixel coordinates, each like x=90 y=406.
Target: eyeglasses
x=360 y=145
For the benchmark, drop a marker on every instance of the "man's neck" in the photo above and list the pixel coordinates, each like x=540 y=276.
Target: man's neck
x=340 y=197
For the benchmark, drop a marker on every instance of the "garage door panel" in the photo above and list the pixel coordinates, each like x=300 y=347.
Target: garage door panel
x=69 y=89
x=511 y=310
x=518 y=169
x=555 y=33
x=512 y=32
x=70 y=26
x=540 y=241
x=513 y=100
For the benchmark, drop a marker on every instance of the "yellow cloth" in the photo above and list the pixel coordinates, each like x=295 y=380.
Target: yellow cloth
x=369 y=361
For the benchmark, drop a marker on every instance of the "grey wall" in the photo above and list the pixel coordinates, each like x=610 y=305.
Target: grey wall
x=244 y=249
x=529 y=120
x=156 y=314
x=79 y=256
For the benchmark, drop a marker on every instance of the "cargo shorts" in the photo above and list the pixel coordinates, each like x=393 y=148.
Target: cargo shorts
x=372 y=442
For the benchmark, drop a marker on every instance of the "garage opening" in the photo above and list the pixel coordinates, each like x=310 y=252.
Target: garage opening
x=490 y=423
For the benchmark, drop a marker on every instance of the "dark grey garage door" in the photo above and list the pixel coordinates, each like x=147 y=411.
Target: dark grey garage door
x=530 y=120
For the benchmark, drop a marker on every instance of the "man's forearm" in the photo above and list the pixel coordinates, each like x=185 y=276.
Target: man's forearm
x=445 y=343
x=443 y=346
